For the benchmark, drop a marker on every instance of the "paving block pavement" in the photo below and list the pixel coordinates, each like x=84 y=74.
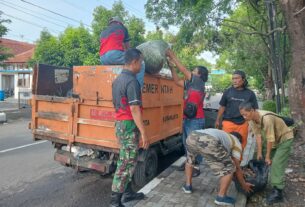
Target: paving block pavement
x=165 y=190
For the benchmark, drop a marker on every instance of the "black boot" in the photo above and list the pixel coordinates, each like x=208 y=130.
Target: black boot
x=116 y=200
x=130 y=195
x=275 y=196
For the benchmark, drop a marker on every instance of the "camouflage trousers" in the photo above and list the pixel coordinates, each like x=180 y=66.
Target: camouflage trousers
x=214 y=153
x=128 y=135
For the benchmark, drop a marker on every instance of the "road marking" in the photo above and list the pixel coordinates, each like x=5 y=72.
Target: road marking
x=23 y=146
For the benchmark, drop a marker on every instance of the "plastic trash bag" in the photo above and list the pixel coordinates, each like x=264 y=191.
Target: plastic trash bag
x=256 y=173
x=154 y=55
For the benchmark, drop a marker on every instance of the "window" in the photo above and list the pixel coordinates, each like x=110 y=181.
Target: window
x=24 y=80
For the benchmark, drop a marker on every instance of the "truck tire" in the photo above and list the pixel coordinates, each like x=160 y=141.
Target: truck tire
x=146 y=170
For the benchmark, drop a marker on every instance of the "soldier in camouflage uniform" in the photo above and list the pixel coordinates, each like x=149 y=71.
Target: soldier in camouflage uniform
x=222 y=152
x=128 y=135
x=126 y=95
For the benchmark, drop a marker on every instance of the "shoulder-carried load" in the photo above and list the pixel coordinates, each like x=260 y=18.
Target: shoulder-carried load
x=154 y=55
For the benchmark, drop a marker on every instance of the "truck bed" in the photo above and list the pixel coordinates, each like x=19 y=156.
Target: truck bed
x=87 y=117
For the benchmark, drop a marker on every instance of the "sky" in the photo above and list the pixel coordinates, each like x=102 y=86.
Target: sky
x=30 y=17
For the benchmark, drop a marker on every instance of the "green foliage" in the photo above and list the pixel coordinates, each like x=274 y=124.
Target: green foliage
x=220 y=82
x=154 y=35
x=285 y=112
x=194 y=18
x=242 y=44
x=4 y=52
x=77 y=46
x=269 y=105
x=48 y=50
x=136 y=31
x=74 y=47
x=236 y=30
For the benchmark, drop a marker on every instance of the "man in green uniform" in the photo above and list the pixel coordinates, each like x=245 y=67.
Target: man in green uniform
x=279 y=142
x=126 y=93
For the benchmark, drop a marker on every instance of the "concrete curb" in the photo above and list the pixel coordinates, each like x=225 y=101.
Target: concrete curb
x=157 y=180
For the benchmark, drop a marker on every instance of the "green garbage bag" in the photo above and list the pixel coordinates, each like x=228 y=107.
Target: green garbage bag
x=154 y=55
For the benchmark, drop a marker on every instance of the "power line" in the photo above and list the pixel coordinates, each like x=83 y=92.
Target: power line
x=141 y=13
x=32 y=23
x=76 y=7
x=134 y=9
x=61 y=21
x=135 y=12
x=33 y=15
x=53 y=12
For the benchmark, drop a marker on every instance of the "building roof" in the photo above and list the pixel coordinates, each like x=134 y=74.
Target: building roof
x=22 y=51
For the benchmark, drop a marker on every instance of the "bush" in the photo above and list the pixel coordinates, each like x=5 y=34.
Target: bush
x=285 y=112
x=269 y=105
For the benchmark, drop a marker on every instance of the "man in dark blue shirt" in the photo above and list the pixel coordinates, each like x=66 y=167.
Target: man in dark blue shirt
x=229 y=106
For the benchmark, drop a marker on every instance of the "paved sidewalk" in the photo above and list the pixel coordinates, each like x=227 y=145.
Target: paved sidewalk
x=165 y=190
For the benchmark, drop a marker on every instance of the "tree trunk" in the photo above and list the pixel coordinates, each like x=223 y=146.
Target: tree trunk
x=269 y=88
x=295 y=19
x=269 y=85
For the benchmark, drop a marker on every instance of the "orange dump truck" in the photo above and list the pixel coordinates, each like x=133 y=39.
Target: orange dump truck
x=73 y=109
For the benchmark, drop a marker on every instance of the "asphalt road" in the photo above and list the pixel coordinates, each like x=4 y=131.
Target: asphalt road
x=29 y=176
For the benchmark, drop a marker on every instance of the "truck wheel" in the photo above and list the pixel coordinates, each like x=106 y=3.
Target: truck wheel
x=146 y=170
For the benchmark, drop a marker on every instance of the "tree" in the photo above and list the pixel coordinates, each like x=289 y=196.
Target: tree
x=220 y=82
x=78 y=47
x=243 y=44
x=136 y=31
x=74 y=47
x=4 y=53
x=294 y=11
x=48 y=50
x=194 y=17
x=154 y=35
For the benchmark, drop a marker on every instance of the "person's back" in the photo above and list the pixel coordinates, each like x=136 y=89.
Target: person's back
x=194 y=93
x=229 y=142
x=114 y=40
x=273 y=127
x=222 y=153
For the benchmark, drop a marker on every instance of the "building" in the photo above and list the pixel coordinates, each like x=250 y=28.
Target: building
x=15 y=74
